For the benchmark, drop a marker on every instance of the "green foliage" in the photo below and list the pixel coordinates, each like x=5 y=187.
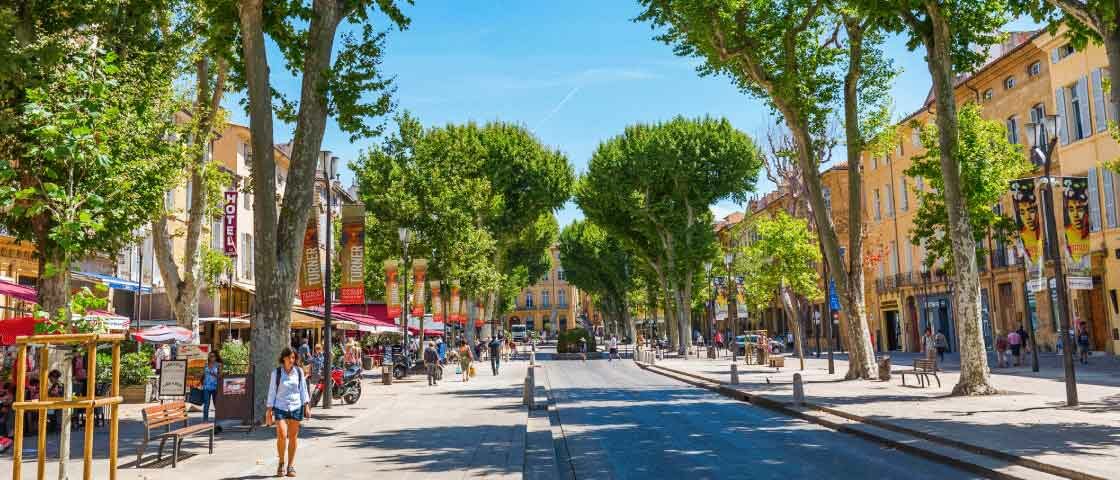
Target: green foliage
x=596 y=263
x=136 y=367
x=215 y=263
x=235 y=358
x=81 y=302
x=988 y=161
x=104 y=372
x=972 y=25
x=568 y=341
x=783 y=254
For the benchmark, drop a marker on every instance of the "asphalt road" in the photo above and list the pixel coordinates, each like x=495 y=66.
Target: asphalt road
x=623 y=422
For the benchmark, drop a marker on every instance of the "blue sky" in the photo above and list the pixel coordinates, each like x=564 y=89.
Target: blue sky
x=574 y=72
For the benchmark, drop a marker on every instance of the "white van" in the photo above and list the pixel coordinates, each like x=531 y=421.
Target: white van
x=518 y=333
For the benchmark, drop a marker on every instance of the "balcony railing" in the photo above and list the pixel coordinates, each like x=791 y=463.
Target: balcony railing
x=892 y=283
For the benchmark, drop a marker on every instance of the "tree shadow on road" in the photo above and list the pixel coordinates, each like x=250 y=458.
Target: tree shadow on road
x=480 y=449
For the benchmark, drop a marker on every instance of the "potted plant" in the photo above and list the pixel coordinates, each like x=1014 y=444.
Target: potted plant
x=136 y=367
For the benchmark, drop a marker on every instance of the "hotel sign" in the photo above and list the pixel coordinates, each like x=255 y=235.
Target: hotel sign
x=229 y=223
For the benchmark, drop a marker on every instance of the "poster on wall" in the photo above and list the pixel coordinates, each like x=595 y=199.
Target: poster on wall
x=310 y=269
x=392 y=289
x=1075 y=213
x=419 y=270
x=1028 y=224
x=352 y=241
x=437 y=302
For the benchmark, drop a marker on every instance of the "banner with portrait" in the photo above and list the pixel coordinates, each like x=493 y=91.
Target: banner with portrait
x=480 y=320
x=392 y=290
x=311 y=269
x=437 y=301
x=419 y=271
x=1028 y=223
x=455 y=315
x=1075 y=214
x=352 y=256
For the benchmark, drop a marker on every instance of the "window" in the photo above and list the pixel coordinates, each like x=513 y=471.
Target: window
x=898 y=150
x=248 y=200
x=1102 y=110
x=1034 y=69
x=246 y=254
x=1094 y=202
x=169 y=200
x=1073 y=111
x=544 y=299
x=874 y=162
x=889 y=199
x=903 y=196
x=909 y=258
x=1109 y=194
x=1057 y=54
x=894 y=257
x=528 y=299
x=560 y=274
x=916 y=137
x=544 y=278
x=988 y=94
x=1013 y=129
x=563 y=302
x=1038 y=112
x=827 y=194
x=878 y=208
x=1009 y=83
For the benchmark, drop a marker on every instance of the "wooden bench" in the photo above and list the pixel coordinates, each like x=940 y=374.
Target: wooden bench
x=166 y=416
x=923 y=369
x=777 y=363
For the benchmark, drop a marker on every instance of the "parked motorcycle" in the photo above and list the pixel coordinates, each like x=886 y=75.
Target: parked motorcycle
x=402 y=364
x=347 y=385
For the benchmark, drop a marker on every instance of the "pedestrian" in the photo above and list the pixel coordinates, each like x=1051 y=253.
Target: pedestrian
x=613 y=344
x=431 y=363
x=465 y=357
x=1083 y=343
x=305 y=351
x=210 y=382
x=1023 y=338
x=162 y=353
x=583 y=348
x=719 y=341
x=288 y=402
x=929 y=343
x=317 y=362
x=942 y=345
x=1001 y=349
x=441 y=349
x=1015 y=343
x=495 y=354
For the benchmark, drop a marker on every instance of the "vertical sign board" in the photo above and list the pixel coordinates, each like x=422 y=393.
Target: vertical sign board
x=419 y=270
x=173 y=378
x=1075 y=203
x=353 y=254
x=437 y=301
x=392 y=290
x=311 y=274
x=455 y=315
x=229 y=223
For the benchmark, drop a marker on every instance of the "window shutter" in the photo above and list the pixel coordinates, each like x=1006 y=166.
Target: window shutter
x=1111 y=113
x=1109 y=198
x=890 y=199
x=1098 y=102
x=1063 y=127
x=904 y=200
x=1094 y=206
x=1083 y=98
x=1054 y=56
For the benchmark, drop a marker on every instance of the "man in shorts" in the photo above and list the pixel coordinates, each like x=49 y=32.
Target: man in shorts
x=1016 y=343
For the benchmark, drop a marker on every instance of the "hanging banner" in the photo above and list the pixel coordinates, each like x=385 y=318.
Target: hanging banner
x=392 y=290
x=464 y=311
x=1029 y=223
x=419 y=271
x=437 y=302
x=454 y=315
x=352 y=256
x=310 y=269
x=229 y=223
x=480 y=320
x=1075 y=208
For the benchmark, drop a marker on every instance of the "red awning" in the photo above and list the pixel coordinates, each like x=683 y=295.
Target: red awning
x=19 y=292
x=16 y=327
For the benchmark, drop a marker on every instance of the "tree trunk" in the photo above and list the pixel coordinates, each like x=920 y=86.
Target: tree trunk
x=628 y=320
x=793 y=319
x=966 y=294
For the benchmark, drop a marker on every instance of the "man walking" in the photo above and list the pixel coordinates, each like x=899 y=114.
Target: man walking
x=613 y=344
x=1015 y=342
x=495 y=346
x=431 y=363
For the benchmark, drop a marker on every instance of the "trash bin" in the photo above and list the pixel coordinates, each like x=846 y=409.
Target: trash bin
x=387 y=373
x=884 y=367
x=367 y=362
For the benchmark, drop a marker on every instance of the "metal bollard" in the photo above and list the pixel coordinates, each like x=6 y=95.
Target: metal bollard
x=798 y=390
x=387 y=374
x=529 y=398
x=734 y=374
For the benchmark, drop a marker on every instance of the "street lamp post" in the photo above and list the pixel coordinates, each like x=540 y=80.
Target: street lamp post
x=711 y=310
x=405 y=236
x=1045 y=147
x=328 y=334
x=732 y=320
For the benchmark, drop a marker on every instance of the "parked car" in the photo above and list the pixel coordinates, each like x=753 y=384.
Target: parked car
x=775 y=345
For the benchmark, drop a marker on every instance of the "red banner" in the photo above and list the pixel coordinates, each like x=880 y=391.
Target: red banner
x=229 y=223
x=392 y=290
x=455 y=314
x=480 y=320
x=437 y=302
x=419 y=270
x=352 y=257
x=311 y=273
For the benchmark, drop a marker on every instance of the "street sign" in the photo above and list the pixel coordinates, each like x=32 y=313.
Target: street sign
x=833 y=299
x=1080 y=283
x=1035 y=285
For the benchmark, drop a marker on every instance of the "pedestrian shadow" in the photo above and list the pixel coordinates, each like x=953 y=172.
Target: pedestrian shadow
x=480 y=449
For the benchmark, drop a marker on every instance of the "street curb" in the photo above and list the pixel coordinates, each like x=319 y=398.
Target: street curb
x=784 y=408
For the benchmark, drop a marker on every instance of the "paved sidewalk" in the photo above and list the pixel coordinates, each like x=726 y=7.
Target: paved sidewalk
x=1029 y=420
x=409 y=430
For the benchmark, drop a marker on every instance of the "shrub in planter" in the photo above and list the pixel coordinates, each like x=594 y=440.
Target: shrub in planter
x=136 y=367
x=568 y=342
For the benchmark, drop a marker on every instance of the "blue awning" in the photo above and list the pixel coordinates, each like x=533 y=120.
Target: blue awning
x=115 y=283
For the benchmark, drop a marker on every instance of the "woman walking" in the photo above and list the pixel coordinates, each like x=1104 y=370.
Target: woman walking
x=287 y=406
x=210 y=382
x=465 y=357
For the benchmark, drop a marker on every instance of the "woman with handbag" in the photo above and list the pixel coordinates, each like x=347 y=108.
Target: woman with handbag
x=287 y=406
x=465 y=357
x=210 y=382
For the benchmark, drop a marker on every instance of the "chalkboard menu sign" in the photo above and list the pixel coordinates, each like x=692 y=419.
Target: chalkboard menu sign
x=173 y=378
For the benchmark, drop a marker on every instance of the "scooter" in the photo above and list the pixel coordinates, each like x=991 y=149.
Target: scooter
x=402 y=364
x=346 y=385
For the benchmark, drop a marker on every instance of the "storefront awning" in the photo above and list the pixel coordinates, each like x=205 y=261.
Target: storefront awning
x=19 y=292
x=110 y=281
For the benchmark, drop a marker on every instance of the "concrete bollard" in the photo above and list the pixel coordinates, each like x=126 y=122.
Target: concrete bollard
x=734 y=374
x=798 y=390
x=529 y=394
